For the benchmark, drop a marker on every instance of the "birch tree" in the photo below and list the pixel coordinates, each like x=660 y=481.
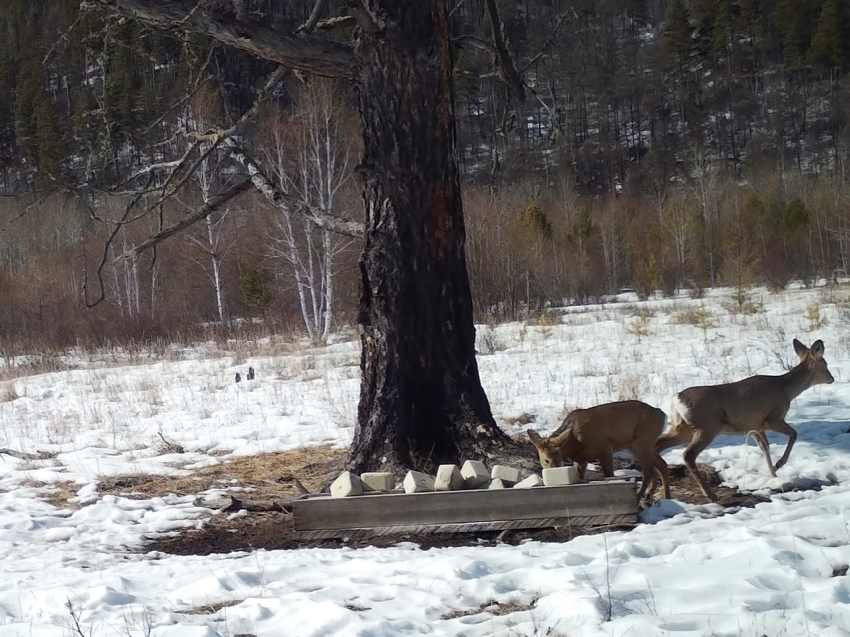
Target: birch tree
x=311 y=157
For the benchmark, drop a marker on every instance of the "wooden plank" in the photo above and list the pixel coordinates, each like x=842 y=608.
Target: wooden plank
x=471 y=527
x=463 y=507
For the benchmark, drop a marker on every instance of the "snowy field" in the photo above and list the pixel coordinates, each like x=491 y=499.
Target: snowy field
x=777 y=569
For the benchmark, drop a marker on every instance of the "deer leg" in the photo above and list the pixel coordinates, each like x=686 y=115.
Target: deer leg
x=783 y=427
x=650 y=465
x=761 y=439
x=606 y=461
x=649 y=481
x=581 y=467
x=662 y=471
x=653 y=484
x=679 y=434
x=698 y=443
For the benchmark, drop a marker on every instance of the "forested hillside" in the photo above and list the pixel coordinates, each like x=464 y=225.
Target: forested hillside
x=650 y=144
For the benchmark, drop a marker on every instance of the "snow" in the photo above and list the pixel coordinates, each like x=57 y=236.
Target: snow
x=686 y=570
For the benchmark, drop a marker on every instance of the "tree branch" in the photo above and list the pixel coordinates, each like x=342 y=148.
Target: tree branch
x=504 y=57
x=289 y=203
x=296 y=51
x=313 y=20
x=201 y=213
x=367 y=20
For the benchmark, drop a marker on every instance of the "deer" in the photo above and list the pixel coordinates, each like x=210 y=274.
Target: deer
x=597 y=432
x=753 y=405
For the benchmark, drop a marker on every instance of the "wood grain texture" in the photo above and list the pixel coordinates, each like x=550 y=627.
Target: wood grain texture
x=607 y=502
x=472 y=527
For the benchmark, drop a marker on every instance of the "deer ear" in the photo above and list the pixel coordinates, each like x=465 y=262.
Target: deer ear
x=817 y=348
x=535 y=438
x=801 y=349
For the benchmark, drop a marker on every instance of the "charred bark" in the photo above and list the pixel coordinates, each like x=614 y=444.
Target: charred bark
x=421 y=400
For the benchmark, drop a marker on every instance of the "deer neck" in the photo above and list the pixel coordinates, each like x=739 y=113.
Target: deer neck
x=797 y=380
x=569 y=445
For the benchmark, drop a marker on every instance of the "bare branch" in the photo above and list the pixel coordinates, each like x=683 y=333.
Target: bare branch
x=337 y=22
x=291 y=204
x=367 y=20
x=556 y=123
x=476 y=42
x=102 y=294
x=201 y=213
x=457 y=6
x=196 y=84
x=208 y=142
x=313 y=20
x=43 y=197
x=504 y=57
x=553 y=34
x=296 y=51
x=211 y=141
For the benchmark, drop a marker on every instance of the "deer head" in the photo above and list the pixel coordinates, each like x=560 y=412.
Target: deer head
x=548 y=450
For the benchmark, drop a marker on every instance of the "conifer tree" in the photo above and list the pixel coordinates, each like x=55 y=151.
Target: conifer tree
x=795 y=20
x=679 y=43
x=830 y=50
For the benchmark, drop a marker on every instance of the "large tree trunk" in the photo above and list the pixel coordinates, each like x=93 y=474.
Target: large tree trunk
x=421 y=400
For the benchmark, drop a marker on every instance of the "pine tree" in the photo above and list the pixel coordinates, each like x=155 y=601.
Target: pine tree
x=679 y=44
x=535 y=222
x=678 y=32
x=122 y=82
x=49 y=141
x=830 y=48
x=28 y=94
x=255 y=289
x=795 y=20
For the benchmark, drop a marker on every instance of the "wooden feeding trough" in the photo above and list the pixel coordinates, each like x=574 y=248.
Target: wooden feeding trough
x=609 y=503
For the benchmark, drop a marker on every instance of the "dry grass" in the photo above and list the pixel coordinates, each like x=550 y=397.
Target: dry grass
x=269 y=476
x=210 y=609
x=492 y=607
x=58 y=494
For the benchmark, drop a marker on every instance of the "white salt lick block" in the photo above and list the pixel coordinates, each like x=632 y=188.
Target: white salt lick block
x=559 y=476
x=533 y=480
x=377 y=481
x=474 y=474
x=417 y=482
x=448 y=478
x=508 y=475
x=347 y=484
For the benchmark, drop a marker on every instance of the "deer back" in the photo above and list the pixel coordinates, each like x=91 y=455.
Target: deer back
x=748 y=404
x=587 y=433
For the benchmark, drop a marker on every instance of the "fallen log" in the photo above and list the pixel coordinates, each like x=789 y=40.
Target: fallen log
x=23 y=455
x=232 y=504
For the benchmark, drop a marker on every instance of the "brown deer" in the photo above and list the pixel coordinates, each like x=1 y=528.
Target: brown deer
x=596 y=433
x=756 y=404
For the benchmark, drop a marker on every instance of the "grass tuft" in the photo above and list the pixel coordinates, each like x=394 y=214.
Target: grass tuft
x=268 y=476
